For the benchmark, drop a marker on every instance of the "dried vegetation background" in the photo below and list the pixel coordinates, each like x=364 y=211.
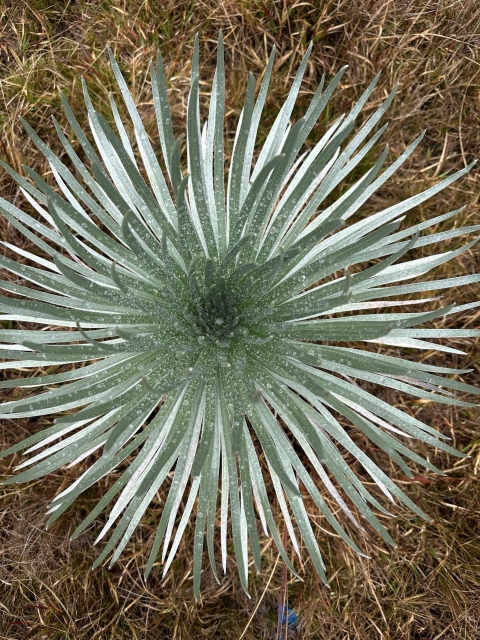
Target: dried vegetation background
x=429 y=586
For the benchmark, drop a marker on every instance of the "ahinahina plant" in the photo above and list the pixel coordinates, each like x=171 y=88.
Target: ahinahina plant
x=209 y=310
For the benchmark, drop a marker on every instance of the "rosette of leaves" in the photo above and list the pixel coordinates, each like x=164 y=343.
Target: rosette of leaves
x=206 y=314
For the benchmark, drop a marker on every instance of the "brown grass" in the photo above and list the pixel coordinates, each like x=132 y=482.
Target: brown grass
x=428 y=588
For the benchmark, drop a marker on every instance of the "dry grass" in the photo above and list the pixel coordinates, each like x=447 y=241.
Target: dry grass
x=429 y=587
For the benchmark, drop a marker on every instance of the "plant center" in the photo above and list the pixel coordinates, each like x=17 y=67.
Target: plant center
x=215 y=314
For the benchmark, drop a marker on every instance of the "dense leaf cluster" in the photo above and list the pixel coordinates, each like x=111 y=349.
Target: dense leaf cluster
x=204 y=311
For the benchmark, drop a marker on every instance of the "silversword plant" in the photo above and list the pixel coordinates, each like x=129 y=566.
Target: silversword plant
x=206 y=315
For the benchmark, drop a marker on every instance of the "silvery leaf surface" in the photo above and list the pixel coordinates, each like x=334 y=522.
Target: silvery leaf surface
x=213 y=312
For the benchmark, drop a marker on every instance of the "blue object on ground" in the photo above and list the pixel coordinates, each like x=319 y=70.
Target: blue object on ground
x=287 y=616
